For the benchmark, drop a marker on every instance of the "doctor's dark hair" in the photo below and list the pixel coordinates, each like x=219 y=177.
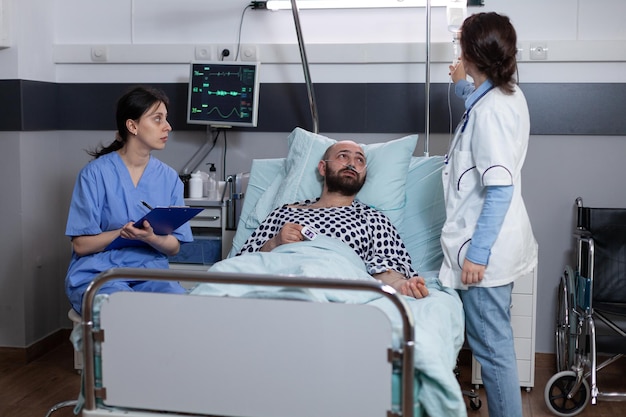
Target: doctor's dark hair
x=489 y=42
x=132 y=105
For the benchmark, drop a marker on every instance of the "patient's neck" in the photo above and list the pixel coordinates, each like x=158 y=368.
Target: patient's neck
x=328 y=199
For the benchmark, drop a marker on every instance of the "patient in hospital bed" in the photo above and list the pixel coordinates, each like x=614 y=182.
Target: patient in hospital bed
x=337 y=214
x=385 y=227
x=387 y=230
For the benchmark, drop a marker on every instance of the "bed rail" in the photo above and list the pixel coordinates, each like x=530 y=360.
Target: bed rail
x=407 y=348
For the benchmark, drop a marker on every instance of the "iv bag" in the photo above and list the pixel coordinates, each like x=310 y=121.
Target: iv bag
x=456 y=12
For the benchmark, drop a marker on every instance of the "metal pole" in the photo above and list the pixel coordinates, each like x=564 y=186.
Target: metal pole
x=427 y=84
x=305 y=67
x=201 y=153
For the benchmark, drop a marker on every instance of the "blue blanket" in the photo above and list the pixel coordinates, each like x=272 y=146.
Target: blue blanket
x=439 y=320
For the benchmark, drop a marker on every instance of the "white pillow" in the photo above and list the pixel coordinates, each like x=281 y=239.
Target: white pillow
x=424 y=214
x=384 y=188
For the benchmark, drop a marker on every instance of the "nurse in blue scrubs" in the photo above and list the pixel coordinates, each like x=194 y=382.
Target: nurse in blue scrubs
x=108 y=198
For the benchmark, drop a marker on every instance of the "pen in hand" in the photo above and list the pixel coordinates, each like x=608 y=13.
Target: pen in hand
x=146 y=204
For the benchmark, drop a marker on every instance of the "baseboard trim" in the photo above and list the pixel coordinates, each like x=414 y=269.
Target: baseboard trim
x=37 y=349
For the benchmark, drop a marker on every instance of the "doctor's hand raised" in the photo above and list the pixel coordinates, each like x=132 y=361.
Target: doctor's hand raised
x=472 y=273
x=457 y=71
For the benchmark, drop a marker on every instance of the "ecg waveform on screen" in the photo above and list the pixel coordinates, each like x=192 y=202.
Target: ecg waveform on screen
x=243 y=75
x=239 y=113
x=224 y=93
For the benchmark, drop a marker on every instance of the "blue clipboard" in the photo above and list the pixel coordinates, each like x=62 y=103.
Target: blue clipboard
x=164 y=220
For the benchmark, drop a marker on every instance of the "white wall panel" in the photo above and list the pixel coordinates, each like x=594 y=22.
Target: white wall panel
x=80 y=21
x=5 y=24
x=602 y=20
x=540 y=20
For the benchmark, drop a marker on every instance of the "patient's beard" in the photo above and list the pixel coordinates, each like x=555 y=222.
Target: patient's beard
x=347 y=186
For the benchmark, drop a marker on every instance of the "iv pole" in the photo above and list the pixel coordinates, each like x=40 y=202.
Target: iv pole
x=427 y=83
x=311 y=93
x=305 y=66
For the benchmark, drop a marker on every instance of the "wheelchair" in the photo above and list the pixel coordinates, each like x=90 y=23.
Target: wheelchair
x=591 y=302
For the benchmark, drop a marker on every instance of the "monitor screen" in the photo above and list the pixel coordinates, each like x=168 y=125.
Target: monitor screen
x=224 y=93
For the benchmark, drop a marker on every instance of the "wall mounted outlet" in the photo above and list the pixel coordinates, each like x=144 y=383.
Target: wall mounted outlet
x=249 y=52
x=204 y=52
x=226 y=52
x=99 y=53
x=538 y=51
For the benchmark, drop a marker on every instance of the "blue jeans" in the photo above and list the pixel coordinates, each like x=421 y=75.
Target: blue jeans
x=490 y=337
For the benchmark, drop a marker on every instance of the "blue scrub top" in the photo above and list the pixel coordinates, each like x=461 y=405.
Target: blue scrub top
x=105 y=198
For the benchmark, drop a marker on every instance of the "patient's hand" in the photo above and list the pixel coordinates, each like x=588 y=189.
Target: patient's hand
x=290 y=233
x=413 y=287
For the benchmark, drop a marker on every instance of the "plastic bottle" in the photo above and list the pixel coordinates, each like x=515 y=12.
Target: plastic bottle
x=456 y=12
x=195 y=185
x=212 y=184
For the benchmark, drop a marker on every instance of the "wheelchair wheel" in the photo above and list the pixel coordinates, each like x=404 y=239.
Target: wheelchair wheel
x=562 y=327
x=556 y=391
x=565 y=319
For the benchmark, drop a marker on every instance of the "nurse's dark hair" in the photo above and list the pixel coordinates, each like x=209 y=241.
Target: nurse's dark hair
x=132 y=105
x=489 y=42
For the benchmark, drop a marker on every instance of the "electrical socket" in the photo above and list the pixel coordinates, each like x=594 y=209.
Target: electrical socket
x=99 y=53
x=249 y=52
x=226 y=52
x=204 y=52
x=538 y=51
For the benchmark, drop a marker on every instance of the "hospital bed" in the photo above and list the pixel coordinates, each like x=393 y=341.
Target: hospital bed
x=296 y=333
x=590 y=331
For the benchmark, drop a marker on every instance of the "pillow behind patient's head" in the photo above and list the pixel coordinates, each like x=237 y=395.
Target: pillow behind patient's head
x=384 y=188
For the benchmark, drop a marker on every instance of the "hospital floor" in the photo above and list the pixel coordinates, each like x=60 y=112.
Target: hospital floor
x=29 y=390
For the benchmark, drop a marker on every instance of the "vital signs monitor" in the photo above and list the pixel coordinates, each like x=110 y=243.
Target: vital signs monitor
x=223 y=93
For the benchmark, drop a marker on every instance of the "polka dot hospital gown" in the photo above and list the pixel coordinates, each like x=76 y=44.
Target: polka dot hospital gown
x=367 y=231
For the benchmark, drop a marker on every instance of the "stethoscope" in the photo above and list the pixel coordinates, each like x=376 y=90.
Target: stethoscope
x=460 y=129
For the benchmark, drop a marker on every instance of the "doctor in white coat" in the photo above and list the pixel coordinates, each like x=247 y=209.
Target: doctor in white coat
x=487 y=238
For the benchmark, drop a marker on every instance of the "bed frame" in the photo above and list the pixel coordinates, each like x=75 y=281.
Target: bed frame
x=146 y=353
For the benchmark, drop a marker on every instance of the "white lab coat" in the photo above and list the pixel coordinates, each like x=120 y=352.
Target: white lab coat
x=490 y=151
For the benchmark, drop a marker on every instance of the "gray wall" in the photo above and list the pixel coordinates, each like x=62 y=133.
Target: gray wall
x=154 y=40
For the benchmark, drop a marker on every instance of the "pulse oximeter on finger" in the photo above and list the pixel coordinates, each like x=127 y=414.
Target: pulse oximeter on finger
x=308 y=233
